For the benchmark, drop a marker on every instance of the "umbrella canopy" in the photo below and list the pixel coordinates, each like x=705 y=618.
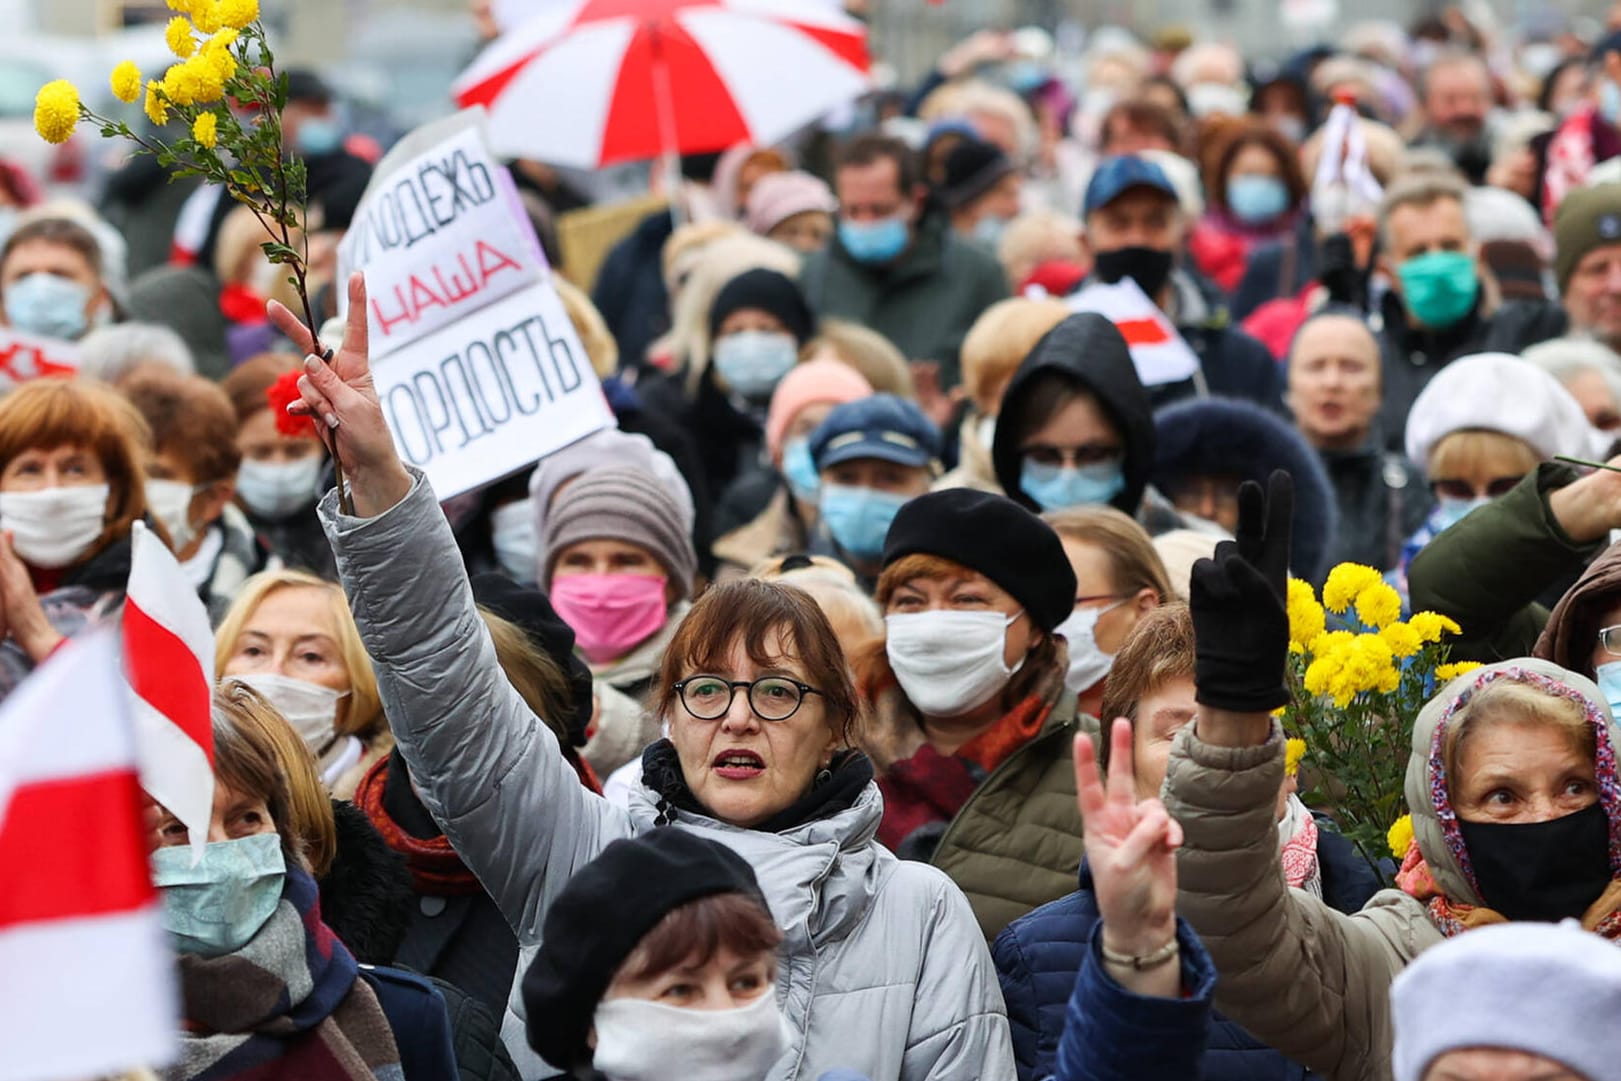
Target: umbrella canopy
x=593 y=82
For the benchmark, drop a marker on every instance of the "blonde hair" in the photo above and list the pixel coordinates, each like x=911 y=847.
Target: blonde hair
x=599 y=342
x=362 y=712
x=970 y=96
x=1040 y=236
x=722 y=261
x=309 y=804
x=1133 y=561
x=1003 y=336
x=688 y=242
x=833 y=586
x=1508 y=701
x=881 y=364
x=237 y=255
x=1458 y=451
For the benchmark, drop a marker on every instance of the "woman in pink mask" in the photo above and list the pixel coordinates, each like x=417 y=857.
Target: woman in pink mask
x=618 y=562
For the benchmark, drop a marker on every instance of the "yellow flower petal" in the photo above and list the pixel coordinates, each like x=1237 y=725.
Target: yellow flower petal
x=206 y=14
x=1293 y=751
x=157 y=110
x=1306 y=617
x=1402 y=639
x=56 y=111
x=126 y=81
x=179 y=38
x=1432 y=625
x=1446 y=673
x=1344 y=583
x=1400 y=836
x=1378 y=605
x=238 y=13
x=205 y=130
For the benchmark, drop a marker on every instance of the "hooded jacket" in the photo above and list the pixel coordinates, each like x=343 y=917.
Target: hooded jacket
x=1299 y=976
x=1090 y=353
x=1227 y=437
x=883 y=969
x=1572 y=628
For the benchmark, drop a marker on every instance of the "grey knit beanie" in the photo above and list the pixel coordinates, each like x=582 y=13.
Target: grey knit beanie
x=1545 y=989
x=617 y=503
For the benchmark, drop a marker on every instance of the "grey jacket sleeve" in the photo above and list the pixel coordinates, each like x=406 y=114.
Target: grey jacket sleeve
x=488 y=770
x=959 y=1029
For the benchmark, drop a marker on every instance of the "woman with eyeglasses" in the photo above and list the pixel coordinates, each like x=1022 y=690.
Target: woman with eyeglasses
x=1479 y=428
x=1076 y=428
x=972 y=721
x=882 y=969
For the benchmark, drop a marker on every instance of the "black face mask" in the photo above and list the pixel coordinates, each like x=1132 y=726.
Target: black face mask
x=1148 y=267
x=1545 y=871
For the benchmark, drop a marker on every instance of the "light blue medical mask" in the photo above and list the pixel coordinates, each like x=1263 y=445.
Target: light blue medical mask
x=799 y=470
x=874 y=242
x=1055 y=487
x=859 y=518
x=1609 y=101
x=48 y=305
x=1256 y=200
x=318 y=136
x=1450 y=511
x=753 y=362
x=216 y=907
x=989 y=230
x=1608 y=678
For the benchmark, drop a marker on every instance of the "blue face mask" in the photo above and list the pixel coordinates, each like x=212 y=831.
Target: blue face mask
x=1256 y=200
x=1608 y=677
x=1055 y=487
x=989 y=230
x=1609 y=101
x=874 y=242
x=318 y=136
x=799 y=470
x=216 y=907
x=859 y=518
x=48 y=305
x=753 y=362
x=1449 y=512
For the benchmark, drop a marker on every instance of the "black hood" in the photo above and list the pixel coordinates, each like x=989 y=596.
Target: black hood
x=1089 y=351
x=1238 y=438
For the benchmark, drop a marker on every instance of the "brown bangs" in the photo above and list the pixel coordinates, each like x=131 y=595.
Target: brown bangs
x=693 y=934
x=919 y=565
x=750 y=613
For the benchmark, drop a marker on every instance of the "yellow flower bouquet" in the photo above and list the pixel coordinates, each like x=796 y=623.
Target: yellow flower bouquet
x=215 y=114
x=1358 y=687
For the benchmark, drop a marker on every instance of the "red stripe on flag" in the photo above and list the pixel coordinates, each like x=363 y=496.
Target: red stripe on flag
x=487 y=91
x=1142 y=332
x=74 y=847
x=162 y=669
x=706 y=117
x=847 y=46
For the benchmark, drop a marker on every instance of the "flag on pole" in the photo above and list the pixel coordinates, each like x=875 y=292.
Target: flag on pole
x=1157 y=350
x=169 y=669
x=86 y=971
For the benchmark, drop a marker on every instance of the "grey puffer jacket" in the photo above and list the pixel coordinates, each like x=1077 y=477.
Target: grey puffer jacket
x=883 y=971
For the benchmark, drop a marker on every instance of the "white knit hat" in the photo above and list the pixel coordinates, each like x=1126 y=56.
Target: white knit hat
x=1545 y=989
x=1499 y=392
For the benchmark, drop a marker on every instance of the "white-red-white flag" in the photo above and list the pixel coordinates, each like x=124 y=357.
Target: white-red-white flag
x=1158 y=351
x=86 y=970
x=169 y=669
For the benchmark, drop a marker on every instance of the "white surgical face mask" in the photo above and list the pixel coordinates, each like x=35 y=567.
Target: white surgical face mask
x=278 y=490
x=310 y=708
x=1087 y=663
x=512 y=535
x=170 y=500
x=53 y=527
x=949 y=662
x=638 y=1040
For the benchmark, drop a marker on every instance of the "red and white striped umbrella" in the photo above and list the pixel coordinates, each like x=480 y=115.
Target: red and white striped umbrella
x=592 y=82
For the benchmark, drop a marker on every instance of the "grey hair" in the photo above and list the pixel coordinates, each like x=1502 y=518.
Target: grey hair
x=1563 y=358
x=1420 y=189
x=1452 y=58
x=111 y=352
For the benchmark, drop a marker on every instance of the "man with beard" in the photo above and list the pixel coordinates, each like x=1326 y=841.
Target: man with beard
x=1456 y=94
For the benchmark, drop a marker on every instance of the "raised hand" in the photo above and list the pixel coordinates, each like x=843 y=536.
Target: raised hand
x=1131 y=849
x=342 y=400
x=20 y=611
x=1240 y=618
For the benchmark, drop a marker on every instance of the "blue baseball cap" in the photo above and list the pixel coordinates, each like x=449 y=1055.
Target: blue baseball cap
x=878 y=426
x=1117 y=175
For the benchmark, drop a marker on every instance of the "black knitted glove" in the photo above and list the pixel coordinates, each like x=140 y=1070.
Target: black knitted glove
x=1346 y=282
x=1240 y=617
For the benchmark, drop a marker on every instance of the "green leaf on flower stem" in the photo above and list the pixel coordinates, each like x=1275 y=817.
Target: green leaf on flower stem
x=279 y=253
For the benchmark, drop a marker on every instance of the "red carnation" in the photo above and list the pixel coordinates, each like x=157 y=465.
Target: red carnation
x=280 y=394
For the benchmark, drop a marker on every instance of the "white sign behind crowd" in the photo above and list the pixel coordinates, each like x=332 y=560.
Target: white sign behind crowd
x=476 y=363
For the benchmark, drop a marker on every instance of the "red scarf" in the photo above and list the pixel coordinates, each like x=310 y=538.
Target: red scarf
x=1603 y=917
x=435 y=867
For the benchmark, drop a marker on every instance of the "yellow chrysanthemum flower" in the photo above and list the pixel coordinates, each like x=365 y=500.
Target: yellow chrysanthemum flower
x=1432 y=625
x=216 y=53
x=1293 y=751
x=178 y=37
x=205 y=129
x=1378 y=605
x=1400 y=836
x=1306 y=618
x=56 y=111
x=126 y=81
x=197 y=81
x=1345 y=583
x=182 y=6
x=1402 y=639
x=1328 y=641
x=238 y=13
x=206 y=14
x=1446 y=673
x=180 y=84
x=157 y=110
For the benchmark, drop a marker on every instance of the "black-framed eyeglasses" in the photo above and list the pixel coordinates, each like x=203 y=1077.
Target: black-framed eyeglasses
x=774 y=698
x=1073 y=457
x=1610 y=639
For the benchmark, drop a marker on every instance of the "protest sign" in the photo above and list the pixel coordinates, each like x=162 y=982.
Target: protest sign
x=24 y=357
x=1157 y=350
x=477 y=364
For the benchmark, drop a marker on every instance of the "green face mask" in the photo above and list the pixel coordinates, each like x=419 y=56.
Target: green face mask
x=1439 y=287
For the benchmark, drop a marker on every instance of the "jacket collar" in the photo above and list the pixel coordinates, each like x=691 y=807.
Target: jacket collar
x=922 y=259
x=1437 y=345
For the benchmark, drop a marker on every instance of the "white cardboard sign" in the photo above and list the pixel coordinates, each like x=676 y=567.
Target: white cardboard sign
x=26 y=356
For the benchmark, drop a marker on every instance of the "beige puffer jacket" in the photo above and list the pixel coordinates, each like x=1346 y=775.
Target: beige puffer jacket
x=1301 y=977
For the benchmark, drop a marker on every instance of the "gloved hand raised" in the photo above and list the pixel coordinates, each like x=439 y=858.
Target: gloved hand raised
x=1240 y=617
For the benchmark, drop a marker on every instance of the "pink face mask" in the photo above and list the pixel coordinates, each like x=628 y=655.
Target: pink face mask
x=611 y=613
